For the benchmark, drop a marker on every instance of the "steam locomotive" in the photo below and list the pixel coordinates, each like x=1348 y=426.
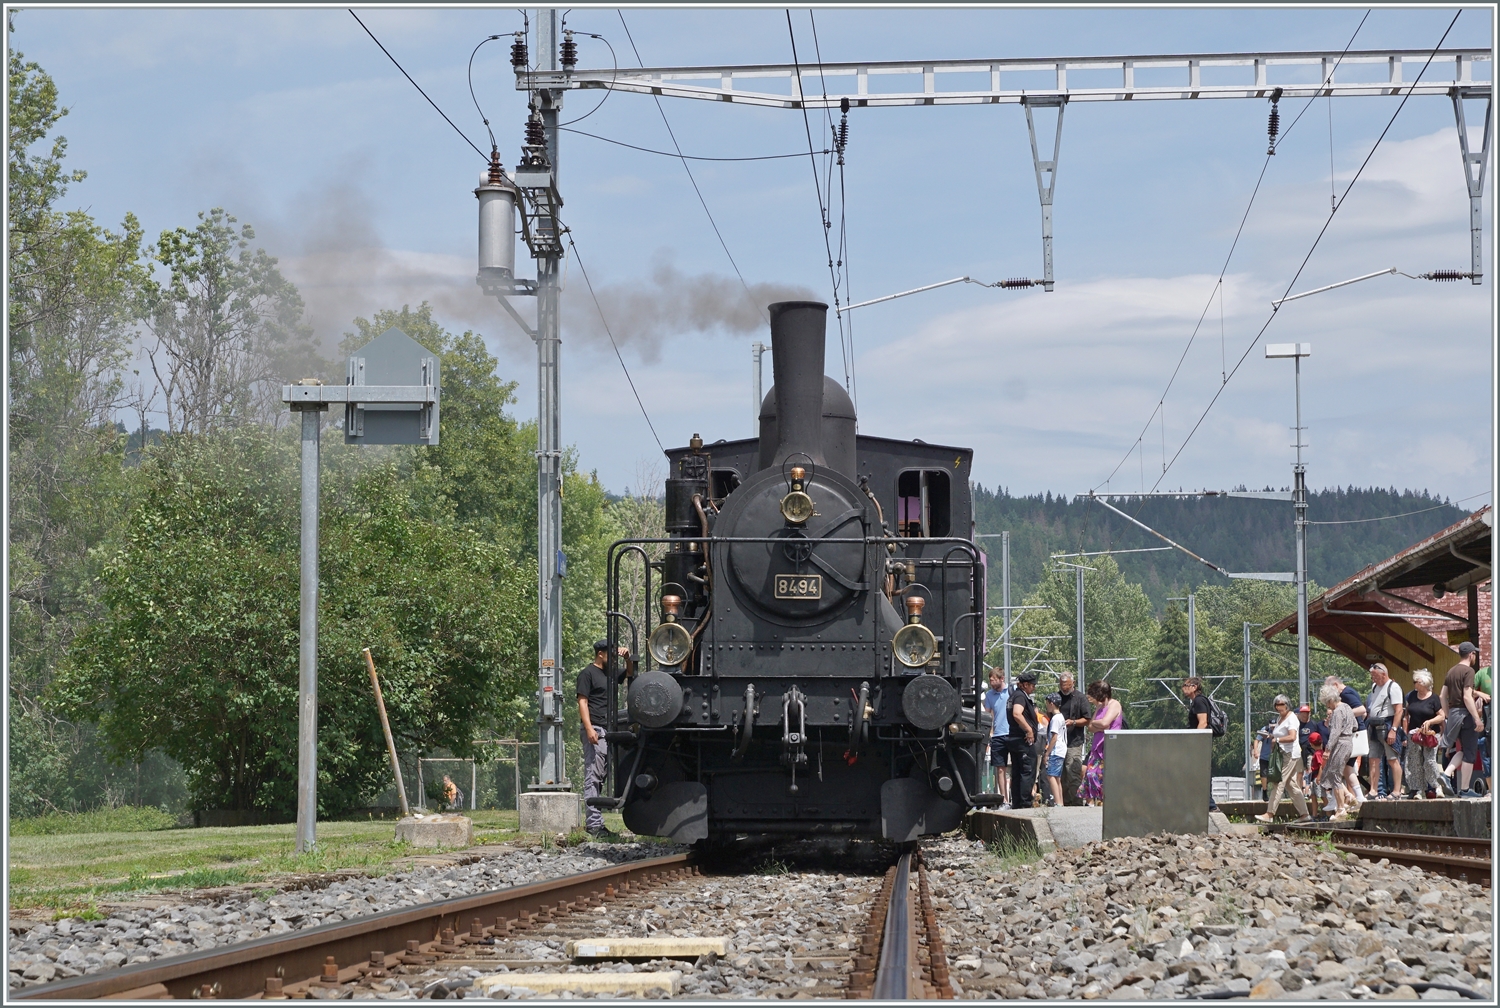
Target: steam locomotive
x=814 y=620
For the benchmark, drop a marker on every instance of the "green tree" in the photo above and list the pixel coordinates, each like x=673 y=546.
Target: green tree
x=199 y=647
x=228 y=328
x=1117 y=624
x=73 y=295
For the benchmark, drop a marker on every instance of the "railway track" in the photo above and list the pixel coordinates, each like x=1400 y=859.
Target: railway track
x=512 y=938
x=902 y=956
x=1463 y=858
x=337 y=954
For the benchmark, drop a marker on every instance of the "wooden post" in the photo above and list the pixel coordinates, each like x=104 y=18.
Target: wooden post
x=385 y=726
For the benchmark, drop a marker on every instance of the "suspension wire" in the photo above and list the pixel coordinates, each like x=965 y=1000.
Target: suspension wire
x=1407 y=514
x=608 y=332
x=414 y=84
x=846 y=320
x=1233 y=245
x=685 y=167
x=1305 y=259
x=812 y=160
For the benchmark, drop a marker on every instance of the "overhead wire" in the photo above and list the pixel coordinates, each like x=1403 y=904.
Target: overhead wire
x=607 y=91
x=689 y=157
x=610 y=333
x=482 y=116
x=1218 y=287
x=1407 y=514
x=812 y=159
x=846 y=321
x=414 y=84
x=685 y=167
x=1316 y=241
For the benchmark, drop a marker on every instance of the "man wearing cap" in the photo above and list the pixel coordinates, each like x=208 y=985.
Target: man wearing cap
x=1384 y=706
x=594 y=685
x=1023 y=735
x=1306 y=726
x=1461 y=700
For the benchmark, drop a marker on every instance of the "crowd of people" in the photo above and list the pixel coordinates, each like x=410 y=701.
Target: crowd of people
x=1427 y=743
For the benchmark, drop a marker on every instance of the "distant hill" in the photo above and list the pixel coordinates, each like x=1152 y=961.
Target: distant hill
x=1239 y=534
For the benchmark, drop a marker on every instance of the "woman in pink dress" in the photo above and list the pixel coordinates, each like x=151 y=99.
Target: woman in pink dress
x=1108 y=716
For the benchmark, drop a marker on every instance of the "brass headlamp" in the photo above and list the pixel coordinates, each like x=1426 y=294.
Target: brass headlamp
x=914 y=645
x=797 y=506
x=670 y=643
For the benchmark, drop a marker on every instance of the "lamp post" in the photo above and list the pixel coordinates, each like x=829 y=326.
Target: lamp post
x=1297 y=351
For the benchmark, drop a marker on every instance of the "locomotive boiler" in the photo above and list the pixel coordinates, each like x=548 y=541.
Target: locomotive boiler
x=813 y=620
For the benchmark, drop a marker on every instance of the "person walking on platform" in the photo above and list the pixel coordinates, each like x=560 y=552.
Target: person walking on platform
x=594 y=686
x=1286 y=763
x=1023 y=736
x=995 y=701
x=1076 y=715
x=1423 y=718
x=1384 y=727
x=1340 y=742
x=1460 y=700
x=1107 y=716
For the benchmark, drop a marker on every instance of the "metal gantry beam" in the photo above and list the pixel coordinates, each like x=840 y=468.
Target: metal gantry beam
x=1308 y=74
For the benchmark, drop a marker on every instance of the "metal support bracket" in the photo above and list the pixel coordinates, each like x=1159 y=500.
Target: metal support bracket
x=1475 y=163
x=1045 y=186
x=511 y=311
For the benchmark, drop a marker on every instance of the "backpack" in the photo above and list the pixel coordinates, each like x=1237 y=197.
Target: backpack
x=1218 y=721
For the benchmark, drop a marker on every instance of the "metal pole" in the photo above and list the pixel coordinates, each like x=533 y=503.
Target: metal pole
x=307 y=659
x=1249 y=768
x=551 y=766
x=1005 y=600
x=756 y=350
x=1299 y=504
x=385 y=726
x=473 y=785
x=1081 y=681
x=1192 y=635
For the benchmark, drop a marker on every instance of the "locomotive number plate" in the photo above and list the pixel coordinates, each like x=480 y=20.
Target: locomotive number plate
x=799 y=586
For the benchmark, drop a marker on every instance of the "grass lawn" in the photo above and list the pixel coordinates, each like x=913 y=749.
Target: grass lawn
x=72 y=871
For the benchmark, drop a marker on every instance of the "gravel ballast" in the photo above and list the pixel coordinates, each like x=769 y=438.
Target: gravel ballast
x=1167 y=917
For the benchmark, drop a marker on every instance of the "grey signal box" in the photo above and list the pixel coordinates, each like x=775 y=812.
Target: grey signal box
x=393 y=359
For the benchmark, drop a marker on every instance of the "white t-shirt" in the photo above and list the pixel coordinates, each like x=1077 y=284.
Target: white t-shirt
x=1059 y=729
x=1382 y=700
x=1290 y=749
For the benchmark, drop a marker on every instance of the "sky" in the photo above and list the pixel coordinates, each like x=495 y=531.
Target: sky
x=295 y=121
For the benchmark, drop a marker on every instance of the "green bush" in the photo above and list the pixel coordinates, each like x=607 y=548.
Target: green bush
x=125 y=819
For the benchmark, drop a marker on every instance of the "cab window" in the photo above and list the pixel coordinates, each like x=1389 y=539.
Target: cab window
x=922 y=503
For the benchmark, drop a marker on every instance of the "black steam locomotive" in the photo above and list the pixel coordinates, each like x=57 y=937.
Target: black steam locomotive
x=815 y=627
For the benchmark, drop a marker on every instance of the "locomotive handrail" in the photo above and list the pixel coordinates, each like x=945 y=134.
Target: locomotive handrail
x=612 y=608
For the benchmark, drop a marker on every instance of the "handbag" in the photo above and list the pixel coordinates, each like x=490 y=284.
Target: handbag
x=1273 y=774
x=1424 y=738
x=1361 y=744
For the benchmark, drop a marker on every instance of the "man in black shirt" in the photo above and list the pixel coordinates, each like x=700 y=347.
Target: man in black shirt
x=1023 y=733
x=1076 y=714
x=594 y=684
x=1197 y=717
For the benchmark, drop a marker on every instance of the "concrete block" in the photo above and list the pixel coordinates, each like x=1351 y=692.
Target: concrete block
x=666 y=981
x=991 y=826
x=646 y=948
x=436 y=831
x=1156 y=781
x=549 y=811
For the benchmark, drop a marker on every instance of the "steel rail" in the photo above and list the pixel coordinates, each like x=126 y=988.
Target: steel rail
x=242 y=970
x=897 y=943
x=1467 y=859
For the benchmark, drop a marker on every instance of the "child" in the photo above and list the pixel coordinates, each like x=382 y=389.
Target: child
x=1057 y=748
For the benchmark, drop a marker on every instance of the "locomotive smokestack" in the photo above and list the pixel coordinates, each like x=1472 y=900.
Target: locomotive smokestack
x=798 y=340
